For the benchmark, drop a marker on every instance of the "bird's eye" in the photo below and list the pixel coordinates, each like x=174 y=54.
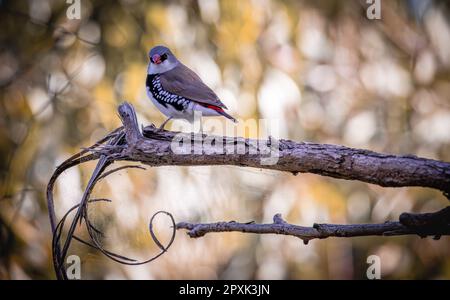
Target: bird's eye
x=164 y=57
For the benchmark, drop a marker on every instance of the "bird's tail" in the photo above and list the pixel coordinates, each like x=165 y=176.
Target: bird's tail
x=223 y=113
x=220 y=110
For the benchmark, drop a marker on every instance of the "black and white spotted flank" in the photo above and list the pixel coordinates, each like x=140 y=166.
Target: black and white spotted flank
x=164 y=97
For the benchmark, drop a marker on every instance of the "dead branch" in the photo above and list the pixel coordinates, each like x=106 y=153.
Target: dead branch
x=430 y=224
x=154 y=147
x=159 y=148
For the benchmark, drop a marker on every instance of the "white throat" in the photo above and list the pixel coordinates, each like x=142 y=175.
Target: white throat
x=161 y=68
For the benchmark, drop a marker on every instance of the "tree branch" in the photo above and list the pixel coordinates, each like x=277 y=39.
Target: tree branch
x=156 y=148
x=430 y=224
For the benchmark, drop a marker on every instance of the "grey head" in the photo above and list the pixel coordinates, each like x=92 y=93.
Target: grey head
x=161 y=60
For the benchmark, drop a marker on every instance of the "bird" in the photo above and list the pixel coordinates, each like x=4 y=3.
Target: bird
x=177 y=91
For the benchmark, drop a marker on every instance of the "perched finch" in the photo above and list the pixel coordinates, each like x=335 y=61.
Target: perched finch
x=177 y=91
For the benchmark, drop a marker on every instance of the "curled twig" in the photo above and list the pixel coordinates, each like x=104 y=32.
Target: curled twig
x=115 y=138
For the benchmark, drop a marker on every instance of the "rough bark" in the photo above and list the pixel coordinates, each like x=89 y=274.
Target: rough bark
x=157 y=148
x=153 y=147
x=429 y=224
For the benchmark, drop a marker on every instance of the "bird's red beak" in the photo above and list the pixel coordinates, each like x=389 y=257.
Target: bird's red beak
x=156 y=59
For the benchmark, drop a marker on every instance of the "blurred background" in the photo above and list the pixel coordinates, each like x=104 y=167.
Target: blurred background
x=322 y=69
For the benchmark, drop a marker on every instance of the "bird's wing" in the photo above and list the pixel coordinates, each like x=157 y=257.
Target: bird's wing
x=184 y=82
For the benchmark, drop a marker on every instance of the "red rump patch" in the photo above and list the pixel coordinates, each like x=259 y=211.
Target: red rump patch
x=216 y=108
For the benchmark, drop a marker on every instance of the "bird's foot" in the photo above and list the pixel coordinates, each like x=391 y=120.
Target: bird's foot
x=161 y=128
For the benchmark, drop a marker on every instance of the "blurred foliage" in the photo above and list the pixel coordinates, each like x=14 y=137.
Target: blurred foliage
x=323 y=70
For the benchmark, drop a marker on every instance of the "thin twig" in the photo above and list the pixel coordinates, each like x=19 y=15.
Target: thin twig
x=431 y=224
